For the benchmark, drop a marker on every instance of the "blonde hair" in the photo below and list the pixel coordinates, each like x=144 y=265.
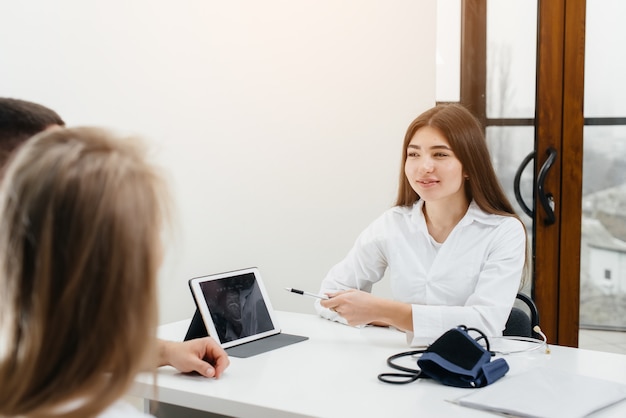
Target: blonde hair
x=80 y=247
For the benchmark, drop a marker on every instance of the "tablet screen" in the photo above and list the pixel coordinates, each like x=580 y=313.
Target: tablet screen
x=234 y=306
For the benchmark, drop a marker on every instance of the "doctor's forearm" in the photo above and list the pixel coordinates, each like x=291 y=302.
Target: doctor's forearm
x=396 y=314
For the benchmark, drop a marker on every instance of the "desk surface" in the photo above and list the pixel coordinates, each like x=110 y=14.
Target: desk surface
x=334 y=373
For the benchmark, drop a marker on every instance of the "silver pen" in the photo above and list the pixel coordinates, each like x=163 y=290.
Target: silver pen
x=302 y=292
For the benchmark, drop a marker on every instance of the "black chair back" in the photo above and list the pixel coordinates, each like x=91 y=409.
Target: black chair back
x=522 y=320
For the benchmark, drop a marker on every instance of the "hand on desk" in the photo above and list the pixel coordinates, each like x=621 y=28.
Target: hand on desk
x=202 y=355
x=354 y=306
x=363 y=308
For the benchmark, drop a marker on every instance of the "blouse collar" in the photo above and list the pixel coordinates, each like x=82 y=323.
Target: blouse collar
x=474 y=214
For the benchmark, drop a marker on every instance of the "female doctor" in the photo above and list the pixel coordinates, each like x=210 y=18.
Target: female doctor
x=452 y=245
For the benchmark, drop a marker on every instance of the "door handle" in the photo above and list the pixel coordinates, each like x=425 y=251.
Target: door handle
x=516 y=184
x=546 y=199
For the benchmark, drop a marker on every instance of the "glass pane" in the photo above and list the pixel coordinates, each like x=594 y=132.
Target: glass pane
x=511 y=58
x=605 y=62
x=603 y=241
x=508 y=147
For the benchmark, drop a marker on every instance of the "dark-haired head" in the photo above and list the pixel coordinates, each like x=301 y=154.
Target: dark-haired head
x=20 y=120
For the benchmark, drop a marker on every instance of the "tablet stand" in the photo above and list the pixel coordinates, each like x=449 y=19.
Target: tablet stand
x=196 y=327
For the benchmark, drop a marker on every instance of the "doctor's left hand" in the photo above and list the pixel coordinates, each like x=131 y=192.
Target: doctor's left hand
x=202 y=355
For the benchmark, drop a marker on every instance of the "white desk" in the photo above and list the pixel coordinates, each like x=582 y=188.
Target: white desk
x=334 y=374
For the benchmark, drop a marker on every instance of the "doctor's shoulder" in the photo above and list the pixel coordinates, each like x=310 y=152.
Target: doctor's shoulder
x=395 y=215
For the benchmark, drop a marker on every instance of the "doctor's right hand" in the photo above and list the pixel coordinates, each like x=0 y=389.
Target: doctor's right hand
x=355 y=306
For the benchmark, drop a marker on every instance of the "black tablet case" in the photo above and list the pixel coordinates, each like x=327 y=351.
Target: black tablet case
x=198 y=330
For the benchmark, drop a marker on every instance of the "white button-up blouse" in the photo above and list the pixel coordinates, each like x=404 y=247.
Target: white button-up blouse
x=470 y=279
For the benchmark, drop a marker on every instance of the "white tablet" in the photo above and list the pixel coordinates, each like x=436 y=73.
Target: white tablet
x=234 y=306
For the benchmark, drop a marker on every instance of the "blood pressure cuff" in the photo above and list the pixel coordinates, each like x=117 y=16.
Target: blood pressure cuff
x=454 y=359
x=457 y=359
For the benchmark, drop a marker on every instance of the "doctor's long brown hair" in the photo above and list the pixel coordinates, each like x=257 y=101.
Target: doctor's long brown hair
x=81 y=216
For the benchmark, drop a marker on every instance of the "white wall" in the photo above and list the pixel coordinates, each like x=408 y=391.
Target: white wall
x=279 y=123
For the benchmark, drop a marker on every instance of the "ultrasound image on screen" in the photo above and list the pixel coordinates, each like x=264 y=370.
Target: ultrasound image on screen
x=237 y=307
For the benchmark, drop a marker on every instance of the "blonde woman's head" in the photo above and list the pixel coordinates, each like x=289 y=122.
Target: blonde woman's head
x=81 y=213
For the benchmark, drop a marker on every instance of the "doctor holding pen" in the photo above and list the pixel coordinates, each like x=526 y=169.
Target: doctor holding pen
x=452 y=245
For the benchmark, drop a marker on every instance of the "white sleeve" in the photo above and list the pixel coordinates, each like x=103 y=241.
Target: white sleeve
x=363 y=266
x=489 y=306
